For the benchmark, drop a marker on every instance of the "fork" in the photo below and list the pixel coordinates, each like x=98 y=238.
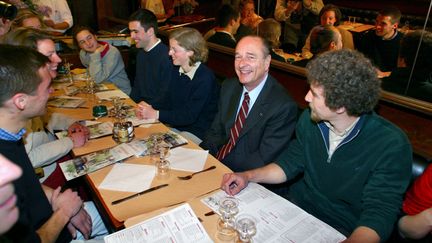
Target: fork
x=188 y=177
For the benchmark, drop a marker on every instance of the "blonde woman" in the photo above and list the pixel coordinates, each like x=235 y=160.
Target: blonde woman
x=193 y=95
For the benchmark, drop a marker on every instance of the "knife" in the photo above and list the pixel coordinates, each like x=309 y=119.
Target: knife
x=138 y=194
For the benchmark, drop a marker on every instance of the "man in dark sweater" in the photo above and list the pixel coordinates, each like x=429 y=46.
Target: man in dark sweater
x=382 y=45
x=153 y=66
x=228 y=22
x=46 y=215
x=356 y=165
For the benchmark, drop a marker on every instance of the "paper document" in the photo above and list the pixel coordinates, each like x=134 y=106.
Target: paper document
x=187 y=159
x=108 y=95
x=177 y=225
x=129 y=178
x=65 y=102
x=278 y=220
x=94 y=161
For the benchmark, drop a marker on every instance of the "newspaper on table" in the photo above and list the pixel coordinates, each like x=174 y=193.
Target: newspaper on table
x=278 y=220
x=98 y=129
x=94 y=161
x=177 y=225
x=66 y=102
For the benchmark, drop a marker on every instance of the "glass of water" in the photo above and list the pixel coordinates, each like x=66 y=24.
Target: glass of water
x=246 y=227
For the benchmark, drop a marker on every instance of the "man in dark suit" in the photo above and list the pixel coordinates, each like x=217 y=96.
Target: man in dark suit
x=269 y=117
x=228 y=22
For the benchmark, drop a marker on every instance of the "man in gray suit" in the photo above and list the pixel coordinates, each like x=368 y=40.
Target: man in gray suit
x=269 y=118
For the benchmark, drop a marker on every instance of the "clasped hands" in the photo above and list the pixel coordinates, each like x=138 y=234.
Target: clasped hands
x=146 y=111
x=71 y=205
x=79 y=134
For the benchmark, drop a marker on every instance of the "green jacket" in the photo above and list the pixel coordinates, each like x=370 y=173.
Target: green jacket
x=361 y=184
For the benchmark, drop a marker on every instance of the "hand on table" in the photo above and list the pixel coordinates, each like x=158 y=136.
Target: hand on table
x=233 y=183
x=78 y=139
x=78 y=133
x=145 y=111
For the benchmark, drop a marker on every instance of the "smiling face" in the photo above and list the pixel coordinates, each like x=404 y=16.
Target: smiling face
x=36 y=103
x=8 y=210
x=32 y=22
x=328 y=18
x=248 y=10
x=87 y=41
x=251 y=64
x=47 y=48
x=384 y=27
x=141 y=37
x=180 y=56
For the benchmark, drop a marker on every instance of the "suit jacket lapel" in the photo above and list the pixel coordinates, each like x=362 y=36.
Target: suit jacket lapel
x=259 y=108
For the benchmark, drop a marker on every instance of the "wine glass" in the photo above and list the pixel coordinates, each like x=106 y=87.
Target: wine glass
x=228 y=208
x=246 y=227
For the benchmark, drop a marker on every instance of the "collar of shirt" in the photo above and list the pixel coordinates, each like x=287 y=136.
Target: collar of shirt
x=192 y=72
x=8 y=136
x=335 y=139
x=157 y=42
x=345 y=132
x=228 y=33
x=253 y=94
x=104 y=52
x=393 y=36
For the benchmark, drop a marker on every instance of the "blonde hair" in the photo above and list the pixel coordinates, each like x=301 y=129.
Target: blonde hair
x=191 y=40
x=23 y=14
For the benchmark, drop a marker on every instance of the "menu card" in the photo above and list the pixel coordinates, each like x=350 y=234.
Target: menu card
x=66 y=102
x=177 y=225
x=278 y=220
x=96 y=129
x=94 y=161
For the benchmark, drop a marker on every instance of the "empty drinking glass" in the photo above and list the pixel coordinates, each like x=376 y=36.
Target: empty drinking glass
x=246 y=227
x=228 y=208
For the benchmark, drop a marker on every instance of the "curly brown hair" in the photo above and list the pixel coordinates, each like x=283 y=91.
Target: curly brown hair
x=349 y=80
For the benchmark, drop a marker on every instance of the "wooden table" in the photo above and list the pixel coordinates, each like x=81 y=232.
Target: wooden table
x=177 y=192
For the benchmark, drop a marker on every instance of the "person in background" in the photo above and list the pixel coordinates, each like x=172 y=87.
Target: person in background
x=354 y=166
x=42 y=147
x=163 y=9
x=249 y=20
x=27 y=18
x=58 y=18
x=256 y=117
x=322 y=39
x=270 y=29
x=417 y=208
x=299 y=16
x=153 y=65
x=382 y=45
x=6 y=19
x=46 y=215
x=103 y=61
x=193 y=93
x=414 y=63
x=330 y=15
x=228 y=22
x=9 y=172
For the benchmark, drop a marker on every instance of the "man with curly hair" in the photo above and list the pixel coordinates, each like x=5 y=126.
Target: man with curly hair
x=355 y=165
